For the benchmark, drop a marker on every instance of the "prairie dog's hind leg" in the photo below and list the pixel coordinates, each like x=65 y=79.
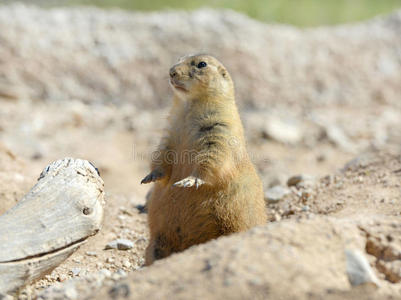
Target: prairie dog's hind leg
x=149 y=255
x=158 y=248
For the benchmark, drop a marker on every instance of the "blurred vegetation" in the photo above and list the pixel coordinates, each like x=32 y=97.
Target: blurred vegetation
x=296 y=12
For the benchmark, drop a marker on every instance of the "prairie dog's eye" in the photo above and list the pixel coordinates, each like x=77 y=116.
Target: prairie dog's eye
x=202 y=64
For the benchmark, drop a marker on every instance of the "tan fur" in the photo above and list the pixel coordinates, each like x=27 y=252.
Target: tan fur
x=204 y=141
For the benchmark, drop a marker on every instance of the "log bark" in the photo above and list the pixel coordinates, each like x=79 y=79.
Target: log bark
x=59 y=213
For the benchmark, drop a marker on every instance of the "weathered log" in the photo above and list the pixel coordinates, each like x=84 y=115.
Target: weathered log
x=58 y=214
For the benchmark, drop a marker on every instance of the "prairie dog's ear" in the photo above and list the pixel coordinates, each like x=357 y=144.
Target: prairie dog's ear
x=222 y=71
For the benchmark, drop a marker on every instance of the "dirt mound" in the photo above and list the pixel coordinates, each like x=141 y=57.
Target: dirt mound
x=366 y=186
x=308 y=256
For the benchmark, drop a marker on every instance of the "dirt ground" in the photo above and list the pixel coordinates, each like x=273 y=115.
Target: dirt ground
x=341 y=137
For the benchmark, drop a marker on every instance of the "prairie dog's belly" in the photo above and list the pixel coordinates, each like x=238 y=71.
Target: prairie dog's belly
x=188 y=215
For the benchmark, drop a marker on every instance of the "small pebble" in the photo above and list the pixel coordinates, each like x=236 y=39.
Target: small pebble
x=105 y=272
x=125 y=211
x=275 y=194
x=294 y=180
x=277 y=217
x=122 y=273
x=120 y=244
x=62 y=277
x=359 y=270
x=75 y=271
x=126 y=264
x=110 y=260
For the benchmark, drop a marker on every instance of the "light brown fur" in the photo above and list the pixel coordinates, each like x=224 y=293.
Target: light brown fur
x=205 y=184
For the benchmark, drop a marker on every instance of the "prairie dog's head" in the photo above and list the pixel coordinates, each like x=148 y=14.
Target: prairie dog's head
x=200 y=76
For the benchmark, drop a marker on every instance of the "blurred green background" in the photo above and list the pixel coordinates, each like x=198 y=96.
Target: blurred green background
x=296 y=12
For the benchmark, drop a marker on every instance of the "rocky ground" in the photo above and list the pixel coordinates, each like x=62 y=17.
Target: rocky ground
x=93 y=84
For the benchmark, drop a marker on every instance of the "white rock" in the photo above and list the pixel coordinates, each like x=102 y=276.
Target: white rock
x=110 y=260
x=121 y=273
x=75 y=271
x=62 y=277
x=106 y=273
x=339 y=138
x=275 y=194
x=305 y=208
x=126 y=264
x=120 y=244
x=91 y=253
x=358 y=268
x=284 y=131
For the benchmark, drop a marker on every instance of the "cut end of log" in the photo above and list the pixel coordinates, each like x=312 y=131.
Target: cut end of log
x=58 y=214
x=84 y=166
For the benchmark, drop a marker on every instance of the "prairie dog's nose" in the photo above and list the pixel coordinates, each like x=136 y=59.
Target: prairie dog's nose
x=173 y=72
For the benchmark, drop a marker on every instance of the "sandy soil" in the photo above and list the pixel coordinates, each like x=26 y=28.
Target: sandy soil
x=299 y=126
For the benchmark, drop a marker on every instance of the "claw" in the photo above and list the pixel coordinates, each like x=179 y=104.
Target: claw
x=189 y=182
x=147 y=179
x=152 y=177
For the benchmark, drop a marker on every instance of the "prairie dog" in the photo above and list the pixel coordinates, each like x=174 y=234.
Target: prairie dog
x=205 y=184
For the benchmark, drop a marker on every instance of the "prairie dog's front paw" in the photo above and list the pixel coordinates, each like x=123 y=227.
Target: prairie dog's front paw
x=189 y=182
x=153 y=176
